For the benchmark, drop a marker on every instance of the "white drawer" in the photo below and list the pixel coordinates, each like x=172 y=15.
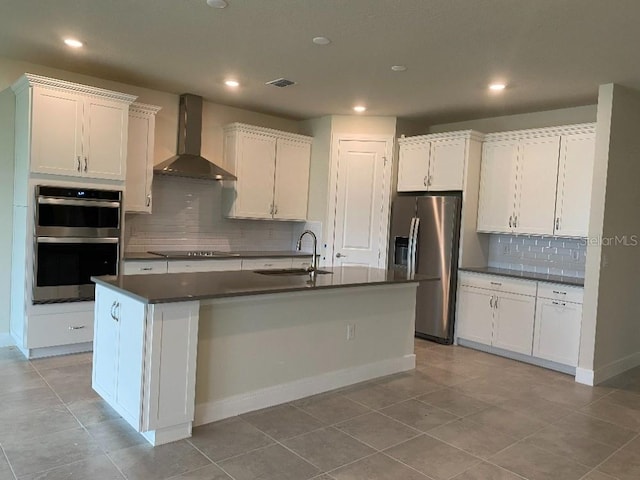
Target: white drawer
x=143 y=268
x=186 y=266
x=499 y=283
x=301 y=262
x=265 y=263
x=59 y=329
x=557 y=291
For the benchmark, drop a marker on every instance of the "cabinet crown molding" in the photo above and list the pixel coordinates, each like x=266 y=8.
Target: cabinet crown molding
x=30 y=80
x=470 y=134
x=144 y=108
x=234 y=127
x=541 y=132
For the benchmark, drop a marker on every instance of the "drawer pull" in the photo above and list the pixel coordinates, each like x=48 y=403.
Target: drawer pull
x=558 y=292
x=146 y=269
x=562 y=304
x=496 y=283
x=268 y=264
x=79 y=327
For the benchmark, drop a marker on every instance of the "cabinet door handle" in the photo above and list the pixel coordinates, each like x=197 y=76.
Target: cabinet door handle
x=425 y=180
x=558 y=223
x=495 y=302
x=491 y=301
x=561 y=304
x=79 y=163
x=86 y=164
x=146 y=269
x=515 y=221
x=558 y=292
x=148 y=200
x=429 y=180
x=275 y=209
x=113 y=310
x=510 y=220
x=79 y=327
x=496 y=283
x=271 y=209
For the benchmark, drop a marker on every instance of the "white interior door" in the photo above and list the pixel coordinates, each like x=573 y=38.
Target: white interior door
x=362 y=203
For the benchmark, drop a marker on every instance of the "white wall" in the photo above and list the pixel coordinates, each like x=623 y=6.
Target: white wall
x=7 y=108
x=214 y=117
x=547 y=118
x=610 y=340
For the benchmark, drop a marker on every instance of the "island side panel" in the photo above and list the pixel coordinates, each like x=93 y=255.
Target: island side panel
x=259 y=351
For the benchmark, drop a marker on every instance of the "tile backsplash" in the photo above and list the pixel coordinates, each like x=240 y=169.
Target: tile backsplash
x=187 y=215
x=552 y=255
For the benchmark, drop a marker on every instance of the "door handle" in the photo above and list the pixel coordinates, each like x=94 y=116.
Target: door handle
x=425 y=180
x=491 y=301
x=515 y=221
x=558 y=223
x=148 y=200
x=79 y=163
x=429 y=180
x=510 y=220
x=80 y=327
x=86 y=162
x=339 y=255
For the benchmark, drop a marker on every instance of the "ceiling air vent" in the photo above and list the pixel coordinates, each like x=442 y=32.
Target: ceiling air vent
x=281 y=82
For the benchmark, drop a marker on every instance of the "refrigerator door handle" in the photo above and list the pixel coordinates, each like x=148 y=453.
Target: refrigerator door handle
x=414 y=243
x=410 y=247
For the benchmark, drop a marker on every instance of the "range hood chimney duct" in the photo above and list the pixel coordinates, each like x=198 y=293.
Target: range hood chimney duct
x=189 y=161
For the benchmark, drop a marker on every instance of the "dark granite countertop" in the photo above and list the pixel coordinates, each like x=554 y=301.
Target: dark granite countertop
x=181 y=287
x=133 y=256
x=541 y=277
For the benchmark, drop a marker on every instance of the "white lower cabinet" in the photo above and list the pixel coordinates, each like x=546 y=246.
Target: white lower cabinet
x=146 y=369
x=496 y=318
x=265 y=263
x=141 y=267
x=536 y=319
x=513 y=322
x=186 y=266
x=557 y=332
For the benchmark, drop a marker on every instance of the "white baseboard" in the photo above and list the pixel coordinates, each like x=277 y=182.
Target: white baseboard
x=6 y=340
x=616 y=368
x=32 y=353
x=584 y=376
x=287 y=392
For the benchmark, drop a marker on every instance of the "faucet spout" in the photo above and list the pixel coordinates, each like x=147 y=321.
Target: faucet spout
x=314 y=262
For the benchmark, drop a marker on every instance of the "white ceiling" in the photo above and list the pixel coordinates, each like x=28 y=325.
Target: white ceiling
x=552 y=53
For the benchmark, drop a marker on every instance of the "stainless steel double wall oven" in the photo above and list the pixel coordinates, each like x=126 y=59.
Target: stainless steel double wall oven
x=77 y=235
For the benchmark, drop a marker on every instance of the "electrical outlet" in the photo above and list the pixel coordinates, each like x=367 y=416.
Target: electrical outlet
x=351 y=331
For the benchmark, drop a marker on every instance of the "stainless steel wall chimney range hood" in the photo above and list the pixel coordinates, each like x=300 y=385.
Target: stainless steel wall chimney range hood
x=189 y=162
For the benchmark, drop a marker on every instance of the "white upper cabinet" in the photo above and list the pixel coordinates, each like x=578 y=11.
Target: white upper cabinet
x=273 y=173
x=537 y=182
x=536 y=185
x=498 y=179
x=140 y=148
x=413 y=167
x=446 y=168
x=575 y=177
x=76 y=130
x=432 y=162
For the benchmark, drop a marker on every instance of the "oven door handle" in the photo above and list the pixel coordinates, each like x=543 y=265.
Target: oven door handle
x=77 y=202
x=77 y=240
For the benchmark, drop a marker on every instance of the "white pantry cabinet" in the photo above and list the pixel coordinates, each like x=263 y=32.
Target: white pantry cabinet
x=74 y=130
x=140 y=148
x=433 y=162
x=535 y=181
x=273 y=173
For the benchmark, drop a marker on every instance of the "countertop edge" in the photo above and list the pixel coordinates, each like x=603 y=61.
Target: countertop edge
x=534 y=277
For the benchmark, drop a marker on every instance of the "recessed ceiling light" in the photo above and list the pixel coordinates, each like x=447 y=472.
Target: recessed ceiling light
x=321 y=40
x=232 y=83
x=73 y=43
x=217 y=3
x=398 y=68
x=497 y=87
x=360 y=108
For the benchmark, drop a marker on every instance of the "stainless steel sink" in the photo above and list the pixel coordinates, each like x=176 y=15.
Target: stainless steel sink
x=289 y=271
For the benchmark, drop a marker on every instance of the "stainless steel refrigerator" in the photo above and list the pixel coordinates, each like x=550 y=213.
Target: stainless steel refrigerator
x=424 y=239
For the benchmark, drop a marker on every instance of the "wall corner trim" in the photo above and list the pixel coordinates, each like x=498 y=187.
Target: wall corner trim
x=584 y=376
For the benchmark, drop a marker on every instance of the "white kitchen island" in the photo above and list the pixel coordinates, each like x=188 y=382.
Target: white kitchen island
x=176 y=350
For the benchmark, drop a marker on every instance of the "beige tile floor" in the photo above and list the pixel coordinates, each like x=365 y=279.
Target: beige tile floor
x=461 y=415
